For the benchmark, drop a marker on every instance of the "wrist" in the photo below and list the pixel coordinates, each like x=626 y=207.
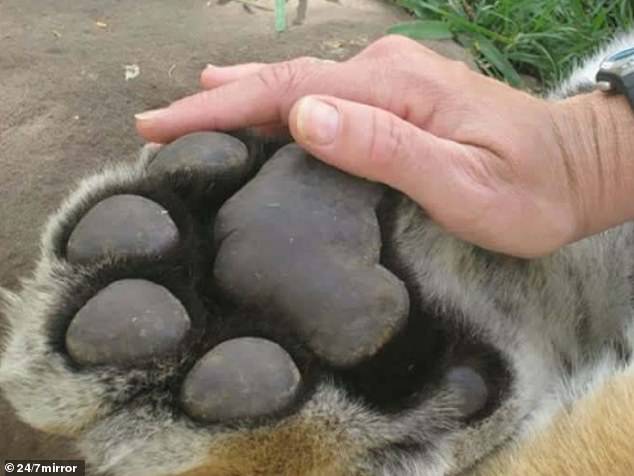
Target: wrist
x=595 y=133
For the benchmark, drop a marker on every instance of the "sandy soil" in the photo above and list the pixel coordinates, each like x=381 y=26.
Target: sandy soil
x=66 y=107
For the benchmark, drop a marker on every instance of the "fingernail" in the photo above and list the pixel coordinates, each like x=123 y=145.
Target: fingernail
x=147 y=115
x=317 y=121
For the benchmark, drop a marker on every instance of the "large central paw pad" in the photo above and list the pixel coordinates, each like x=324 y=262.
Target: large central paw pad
x=304 y=239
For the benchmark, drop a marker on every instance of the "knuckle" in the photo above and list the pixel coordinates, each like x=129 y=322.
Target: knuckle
x=391 y=44
x=305 y=61
x=458 y=68
x=388 y=141
x=286 y=76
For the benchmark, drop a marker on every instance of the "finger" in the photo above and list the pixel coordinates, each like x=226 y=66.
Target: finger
x=267 y=96
x=382 y=75
x=254 y=100
x=441 y=175
x=214 y=76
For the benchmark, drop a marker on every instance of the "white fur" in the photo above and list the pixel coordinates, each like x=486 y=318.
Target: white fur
x=585 y=73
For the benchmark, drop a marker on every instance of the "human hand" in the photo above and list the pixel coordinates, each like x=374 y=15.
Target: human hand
x=490 y=164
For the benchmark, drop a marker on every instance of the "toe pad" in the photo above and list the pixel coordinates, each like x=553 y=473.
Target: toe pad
x=210 y=164
x=123 y=226
x=470 y=388
x=128 y=322
x=241 y=378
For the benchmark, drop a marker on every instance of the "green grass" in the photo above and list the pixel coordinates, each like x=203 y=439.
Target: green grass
x=540 y=38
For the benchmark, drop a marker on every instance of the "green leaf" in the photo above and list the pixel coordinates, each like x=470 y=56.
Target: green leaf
x=423 y=30
x=280 y=15
x=497 y=59
x=412 y=6
x=465 y=39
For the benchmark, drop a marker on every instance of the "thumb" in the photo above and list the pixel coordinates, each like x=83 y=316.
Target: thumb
x=378 y=145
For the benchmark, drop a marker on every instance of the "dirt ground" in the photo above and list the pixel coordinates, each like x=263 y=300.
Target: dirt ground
x=66 y=106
